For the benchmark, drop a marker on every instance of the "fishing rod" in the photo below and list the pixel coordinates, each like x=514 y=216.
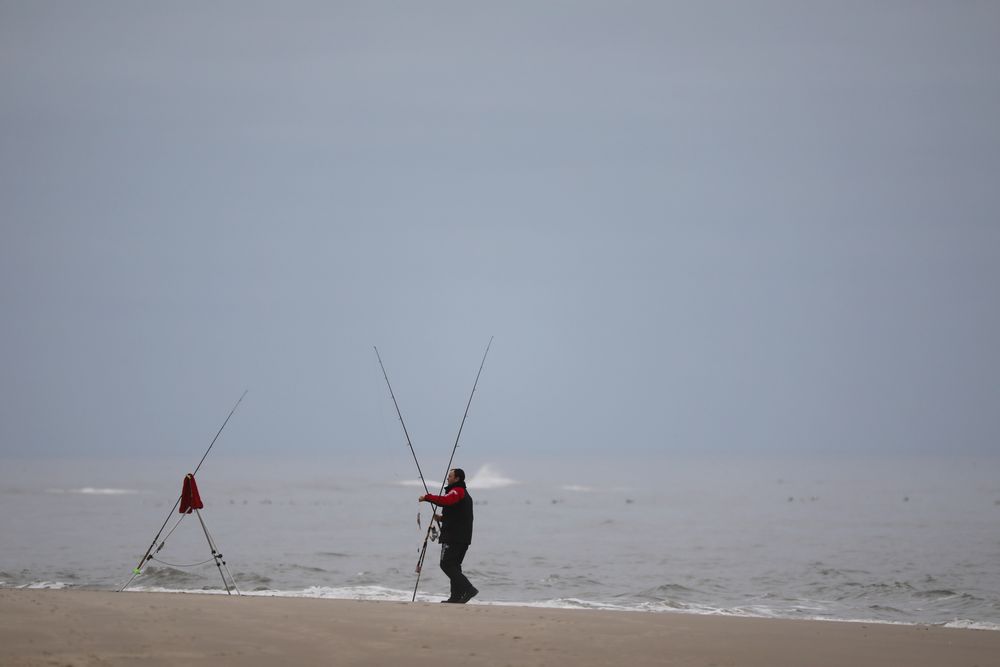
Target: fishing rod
x=427 y=536
x=149 y=552
x=400 y=414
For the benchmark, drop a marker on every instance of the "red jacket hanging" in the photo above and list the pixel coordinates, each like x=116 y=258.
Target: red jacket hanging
x=190 y=498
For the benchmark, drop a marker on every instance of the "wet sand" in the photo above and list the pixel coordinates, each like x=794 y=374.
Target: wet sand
x=71 y=627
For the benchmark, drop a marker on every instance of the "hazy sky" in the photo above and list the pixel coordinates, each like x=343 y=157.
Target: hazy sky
x=727 y=227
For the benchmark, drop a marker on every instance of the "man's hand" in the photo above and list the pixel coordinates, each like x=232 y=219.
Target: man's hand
x=422 y=499
x=437 y=517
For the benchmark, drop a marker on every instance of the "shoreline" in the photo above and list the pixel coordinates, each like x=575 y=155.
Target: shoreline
x=569 y=604
x=582 y=605
x=78 y=627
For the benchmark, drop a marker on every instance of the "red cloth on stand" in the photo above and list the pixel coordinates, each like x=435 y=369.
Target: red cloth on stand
x=190 y=498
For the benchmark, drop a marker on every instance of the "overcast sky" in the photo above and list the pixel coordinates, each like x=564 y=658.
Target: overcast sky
x=706 y=226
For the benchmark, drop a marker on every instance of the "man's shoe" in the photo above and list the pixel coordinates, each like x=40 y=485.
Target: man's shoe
x=452 y=599
x=467 y=595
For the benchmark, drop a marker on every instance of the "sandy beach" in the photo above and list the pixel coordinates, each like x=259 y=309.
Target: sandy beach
x=69 y=627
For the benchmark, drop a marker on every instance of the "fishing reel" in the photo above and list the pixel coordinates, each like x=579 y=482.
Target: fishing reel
x=434 y=532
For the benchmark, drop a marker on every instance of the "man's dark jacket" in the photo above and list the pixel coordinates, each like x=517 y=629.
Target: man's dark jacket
x=456 y=514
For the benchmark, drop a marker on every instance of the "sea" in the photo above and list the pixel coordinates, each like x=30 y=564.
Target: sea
x=908 y=540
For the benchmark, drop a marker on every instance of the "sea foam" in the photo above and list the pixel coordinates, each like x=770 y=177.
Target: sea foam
x=487 y=477
x=93 y=491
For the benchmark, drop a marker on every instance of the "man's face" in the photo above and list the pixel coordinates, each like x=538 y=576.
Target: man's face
x=452 y=477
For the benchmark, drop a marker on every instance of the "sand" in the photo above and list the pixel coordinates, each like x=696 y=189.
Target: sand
x=72 y=627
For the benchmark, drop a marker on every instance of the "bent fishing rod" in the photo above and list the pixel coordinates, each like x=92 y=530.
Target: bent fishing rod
x=430 y=524
x=149 y=552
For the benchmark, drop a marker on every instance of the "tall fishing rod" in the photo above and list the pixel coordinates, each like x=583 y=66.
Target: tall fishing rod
x=400 y=414
x=423 y=549
x=149 y=552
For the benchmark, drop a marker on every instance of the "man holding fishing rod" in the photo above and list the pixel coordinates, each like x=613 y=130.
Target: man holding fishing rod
x=456 y=533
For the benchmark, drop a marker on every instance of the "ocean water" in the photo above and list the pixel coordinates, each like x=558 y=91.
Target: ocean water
x=913 y=540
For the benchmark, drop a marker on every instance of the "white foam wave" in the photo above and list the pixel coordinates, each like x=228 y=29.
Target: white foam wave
x=53 y=585
x=350 y=593
x=568 y=603
x=964 y=624
x=93 y=491
x=382 y=593
x=417 y=483
x=164 y=589
x=742 y=612
x=489 y=477
x=577 y=487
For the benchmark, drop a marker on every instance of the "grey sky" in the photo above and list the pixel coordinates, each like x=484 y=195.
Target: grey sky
x=736 y=226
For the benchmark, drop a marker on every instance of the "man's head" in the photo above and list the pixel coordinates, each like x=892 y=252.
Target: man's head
x=456 y=475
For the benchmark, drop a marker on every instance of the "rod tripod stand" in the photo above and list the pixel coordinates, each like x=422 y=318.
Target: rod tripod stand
x=189 y=501
x=220 y=562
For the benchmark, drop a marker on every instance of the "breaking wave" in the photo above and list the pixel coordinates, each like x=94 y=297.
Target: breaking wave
x=92 y=491
x=52 y=585
x=487 y=477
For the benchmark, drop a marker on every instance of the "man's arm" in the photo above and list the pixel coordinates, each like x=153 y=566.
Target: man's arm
x=446 y=500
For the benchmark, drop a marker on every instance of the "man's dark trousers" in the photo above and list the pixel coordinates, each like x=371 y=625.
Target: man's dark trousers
x=452 y=556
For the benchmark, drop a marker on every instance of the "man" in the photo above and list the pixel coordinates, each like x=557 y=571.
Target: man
x=456 y=533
